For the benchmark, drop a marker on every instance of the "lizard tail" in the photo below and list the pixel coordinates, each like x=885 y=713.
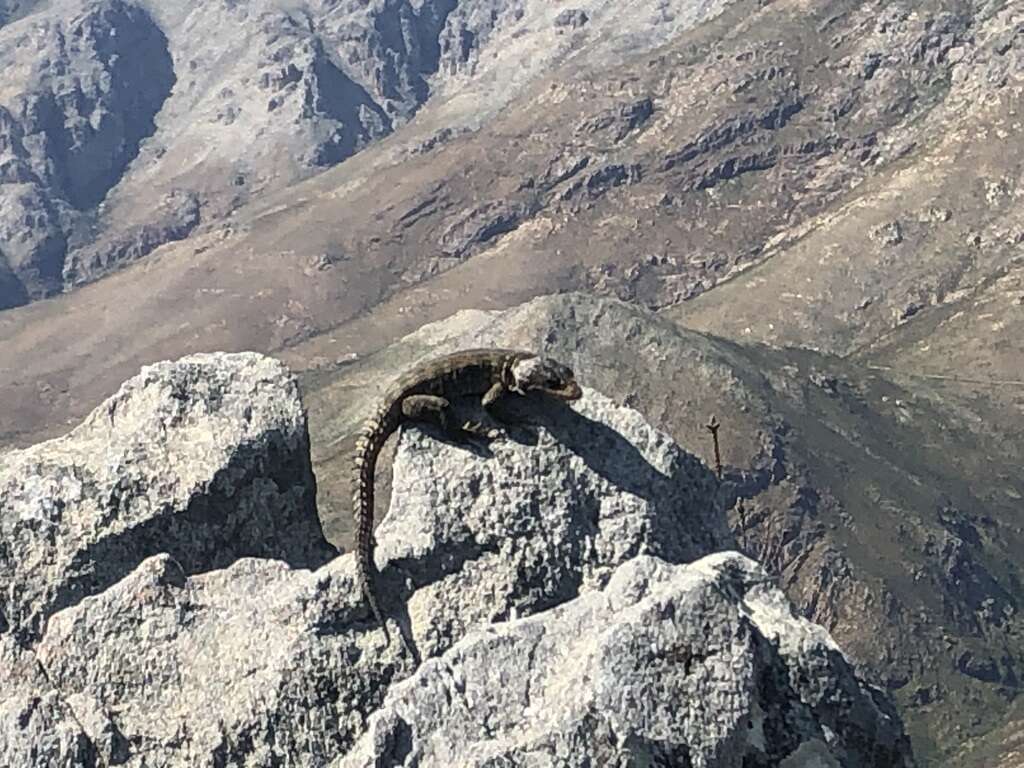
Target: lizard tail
x=369 y=443
x=371 y=599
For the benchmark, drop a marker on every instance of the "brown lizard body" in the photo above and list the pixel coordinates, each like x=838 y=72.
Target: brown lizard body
x=423 y=394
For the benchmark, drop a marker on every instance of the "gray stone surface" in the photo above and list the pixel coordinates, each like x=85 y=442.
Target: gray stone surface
x=206 y=459
x=534 y=520
x=37 y=727
x=535 y=575
x=675 y=665
x=82 y=86
x=256 y=665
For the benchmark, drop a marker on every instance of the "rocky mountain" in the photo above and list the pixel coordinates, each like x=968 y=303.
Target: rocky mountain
x=822 y=199
x=126 y=125
x=198 y=642
x=652 y=177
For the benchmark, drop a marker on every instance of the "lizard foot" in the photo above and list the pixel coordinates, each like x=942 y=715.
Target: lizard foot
x=477 y=429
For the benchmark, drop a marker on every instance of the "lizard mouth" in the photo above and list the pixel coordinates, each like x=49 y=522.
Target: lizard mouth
x=570 y=391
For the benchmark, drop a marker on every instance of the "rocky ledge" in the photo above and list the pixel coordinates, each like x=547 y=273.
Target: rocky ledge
x=169 y=599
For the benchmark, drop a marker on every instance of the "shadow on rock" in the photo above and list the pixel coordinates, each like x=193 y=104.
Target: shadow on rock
x=635 y=493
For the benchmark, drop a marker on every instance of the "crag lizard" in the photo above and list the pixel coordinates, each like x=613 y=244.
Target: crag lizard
x=423 y=394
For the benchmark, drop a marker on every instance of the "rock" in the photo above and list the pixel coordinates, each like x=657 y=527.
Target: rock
x=620 y=122
x=523 y=527
x=37 y=727
x=982 y=668
x=825 y=381
x=908 y=311
x=31 y=238
x=206 y=459
x=177 y=215
x=925 y=694
x=888 y=234
x=972 y=597
x=73 y=118
x=88 y=111
x=615 y=175
x=27 y=238
x=563 y=167
x=934 y=215
x=474 y=227
x=438 y=139
x=600 y=181
x=256 y=663
x=701 y=664
x=502 y=563
x=735 y=131
x=573 y=18
x=470 y=27
x=302 y=84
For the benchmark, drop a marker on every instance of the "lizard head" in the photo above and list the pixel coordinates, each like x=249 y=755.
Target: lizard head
x=542 y=374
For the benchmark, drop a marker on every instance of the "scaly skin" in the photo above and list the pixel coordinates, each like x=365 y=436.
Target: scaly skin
x=421 y=395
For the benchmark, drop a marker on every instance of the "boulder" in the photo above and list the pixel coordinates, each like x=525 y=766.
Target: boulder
x=670 y=665
x=487 y=533
x=205 y=459
x=37 y=726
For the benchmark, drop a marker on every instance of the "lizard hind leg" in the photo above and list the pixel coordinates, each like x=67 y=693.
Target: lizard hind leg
x=429 y=408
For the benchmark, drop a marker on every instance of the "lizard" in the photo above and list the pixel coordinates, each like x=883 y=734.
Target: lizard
x=423 y=394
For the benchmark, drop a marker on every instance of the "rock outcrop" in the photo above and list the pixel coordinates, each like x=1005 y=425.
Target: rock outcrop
x=205 y=459
x=82 y=92
x=166 y=605
x=675 y=665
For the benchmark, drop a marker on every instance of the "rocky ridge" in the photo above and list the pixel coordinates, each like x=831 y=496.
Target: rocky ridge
x=189 y=659
x=866 y=144
x=203 y=459
x=656 y=635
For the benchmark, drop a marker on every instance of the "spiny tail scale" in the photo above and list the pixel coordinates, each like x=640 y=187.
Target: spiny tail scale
x=372 y=436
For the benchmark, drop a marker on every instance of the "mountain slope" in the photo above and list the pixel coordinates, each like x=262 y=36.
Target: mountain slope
x=127 y=125
x=651 y=180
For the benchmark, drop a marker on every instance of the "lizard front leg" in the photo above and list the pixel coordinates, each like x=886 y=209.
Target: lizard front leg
x=490 y=401
x=437 y=410
x=493 y=395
